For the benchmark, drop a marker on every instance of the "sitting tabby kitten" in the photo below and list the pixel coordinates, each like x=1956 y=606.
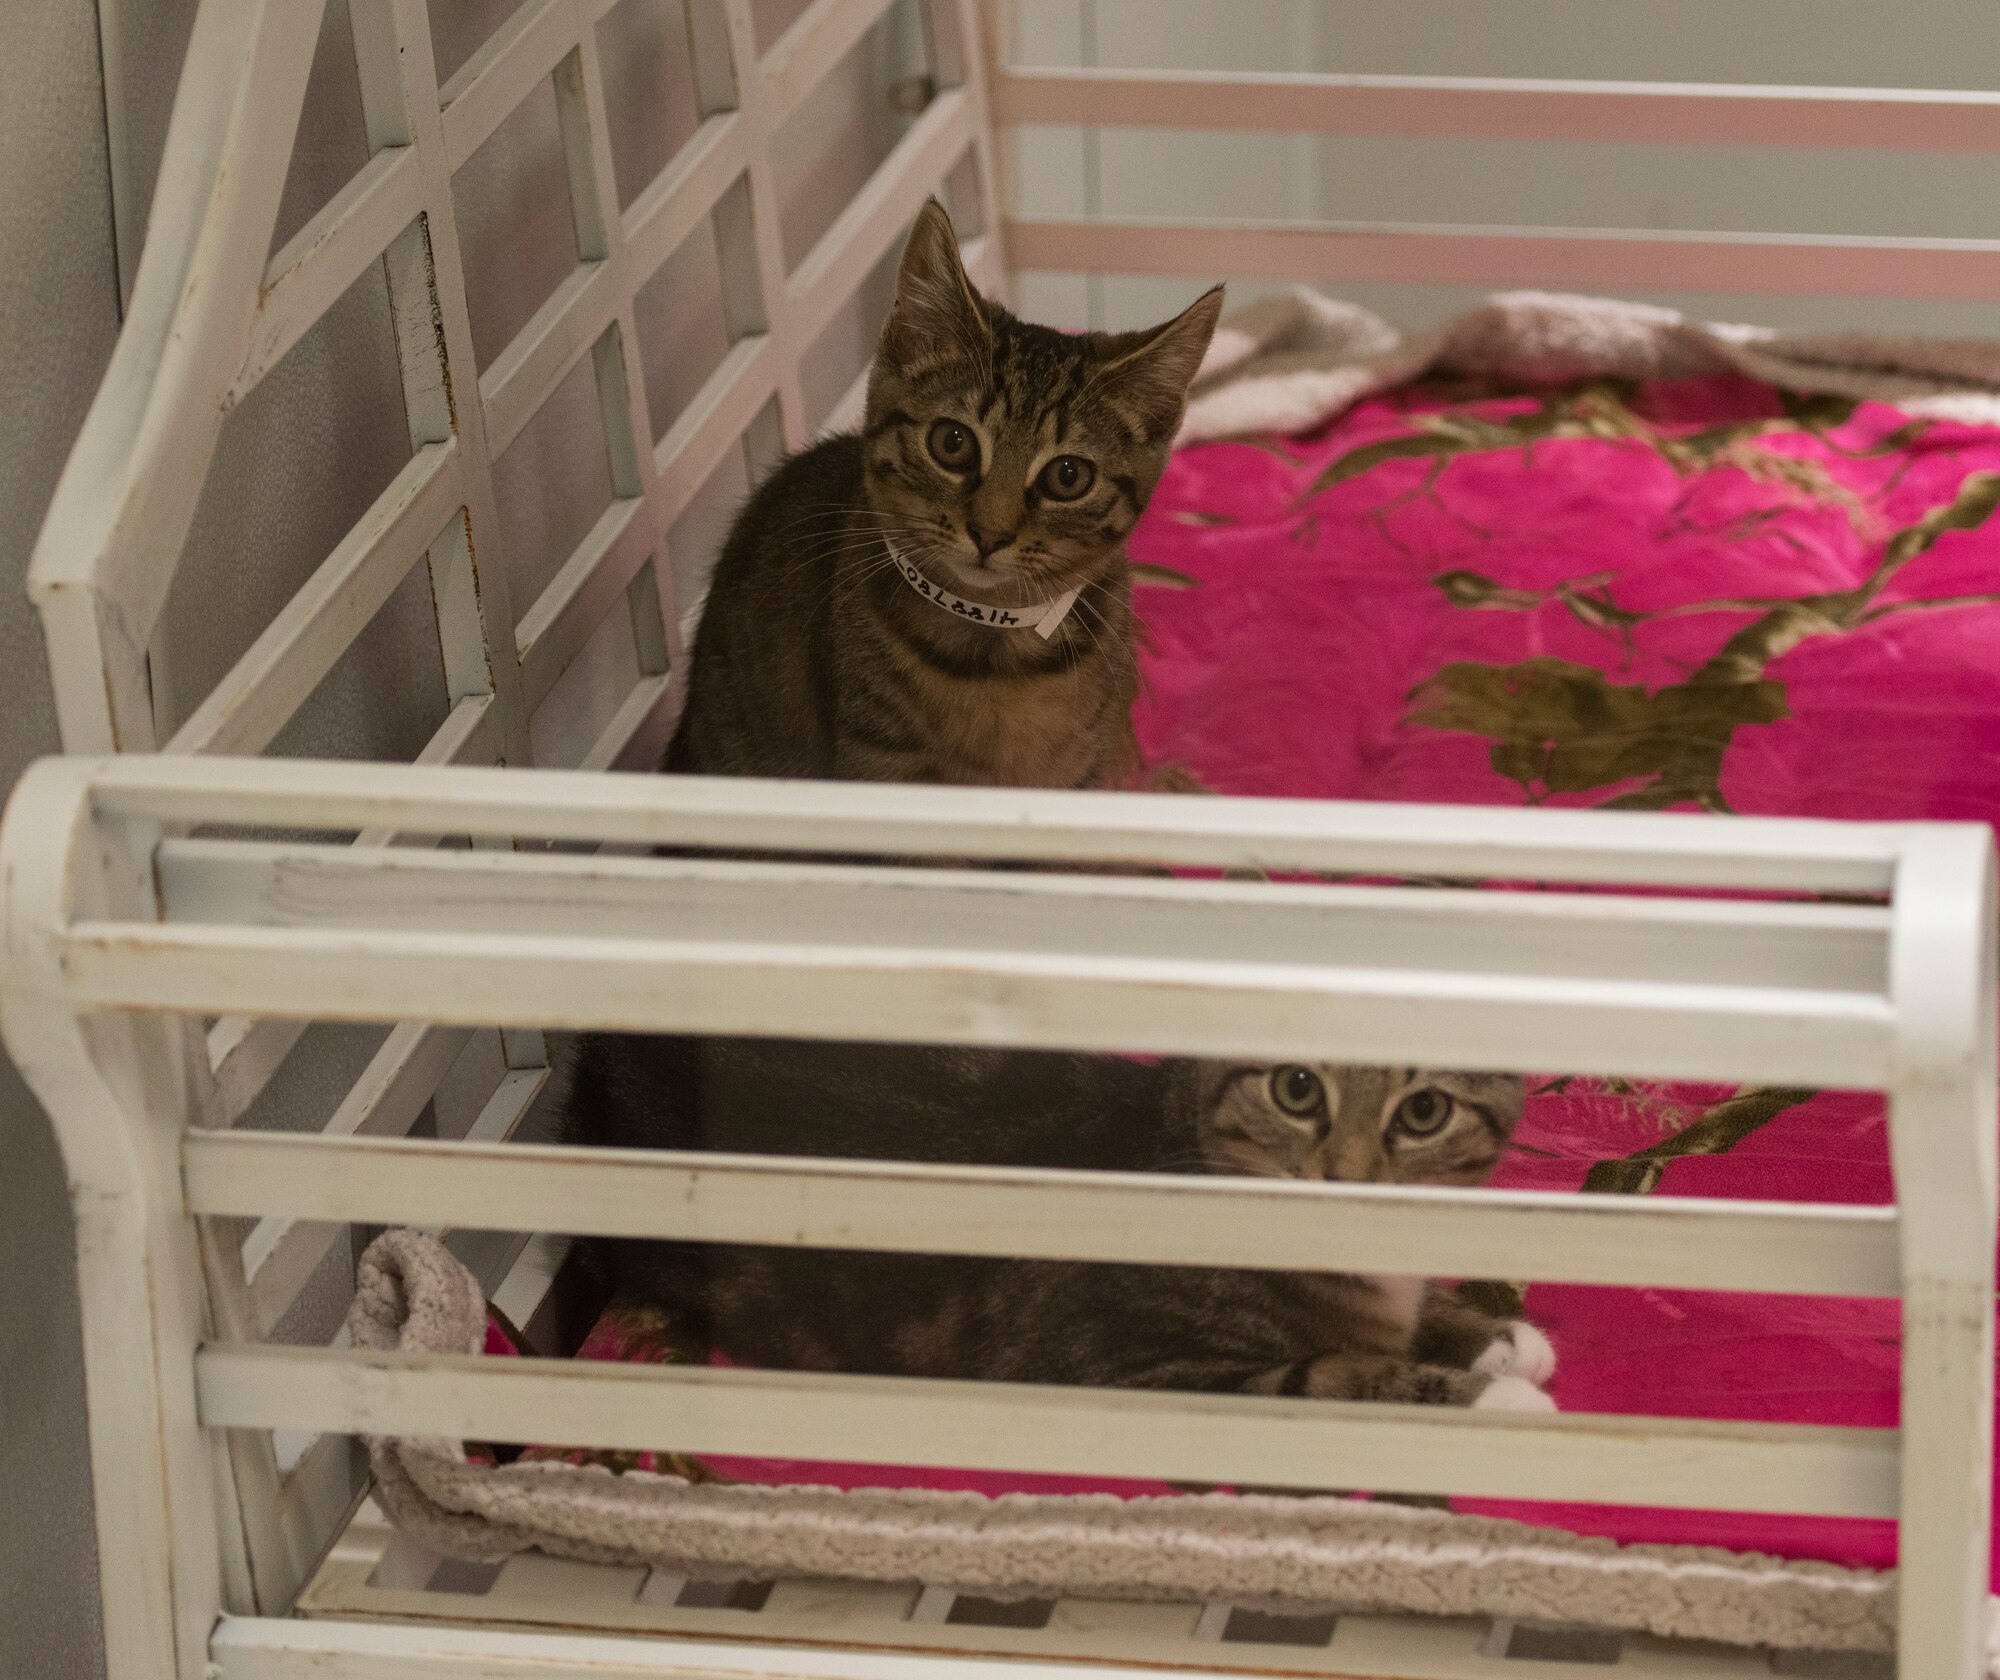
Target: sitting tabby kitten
x=1333 y=1335
x=944 y=597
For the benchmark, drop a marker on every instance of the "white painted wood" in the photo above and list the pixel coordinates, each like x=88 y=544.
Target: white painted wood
x=1185 y=1004
x=524 y=375
x=127 y=495
x=1900 y=996
x=882 y=1617
x=826 y=1629
x=672 y=206
x=112 y=1087
x=1942 y=1139
x=469 y=577
x=750 y=245
x=862 y=234
x=490 y=85
x=636 y=737
x=246 y=710
x=800 y=58
x=1494 y=108
x=846 y=415
x=1679 y=1462
x=715 y=419
x=243 y=1054
x=1279 y=835
x=281 y=1255
x=553 y=631
x=1588 y=259
x=1682 y=1242
x=987 y=260
x=253 y=1649
x=328 y=255
x=625 y=412
x=1800 y=945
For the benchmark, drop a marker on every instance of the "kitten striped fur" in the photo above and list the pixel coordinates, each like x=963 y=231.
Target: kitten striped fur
x=1331 y=1334
x=1007 y=462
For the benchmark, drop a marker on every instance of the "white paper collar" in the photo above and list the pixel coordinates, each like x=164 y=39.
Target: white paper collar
x=1043 y=617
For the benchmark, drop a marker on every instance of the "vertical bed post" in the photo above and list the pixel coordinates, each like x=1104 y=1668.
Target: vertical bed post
x=115 y=1086
x=1942 y=1117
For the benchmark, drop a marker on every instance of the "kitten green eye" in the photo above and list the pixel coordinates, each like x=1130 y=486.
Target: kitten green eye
x=953 y=446
x=1422 y=1113
x=1297 y=1090
x=1066 y=478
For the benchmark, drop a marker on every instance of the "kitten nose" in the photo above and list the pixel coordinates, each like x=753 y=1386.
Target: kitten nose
x=987 y=542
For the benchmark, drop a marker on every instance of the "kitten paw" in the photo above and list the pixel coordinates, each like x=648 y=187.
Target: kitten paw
x=1520 y=1350
x=1512 y=1394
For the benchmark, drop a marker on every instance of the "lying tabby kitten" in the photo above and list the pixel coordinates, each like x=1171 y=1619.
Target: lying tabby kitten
x=944 y=597
x=1334 y=1335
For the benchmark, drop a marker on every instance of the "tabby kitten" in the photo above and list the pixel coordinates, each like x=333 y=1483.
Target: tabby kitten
x=944 y=597
x=1329 y=1334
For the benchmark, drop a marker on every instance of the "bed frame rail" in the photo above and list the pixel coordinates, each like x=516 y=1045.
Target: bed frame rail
x=115 y=924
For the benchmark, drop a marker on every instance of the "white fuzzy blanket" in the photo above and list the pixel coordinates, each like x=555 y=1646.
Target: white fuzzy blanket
x=1292 y=361
x=1320 y=1552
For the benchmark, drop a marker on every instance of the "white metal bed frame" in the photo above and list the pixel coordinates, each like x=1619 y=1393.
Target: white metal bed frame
x=123 y=929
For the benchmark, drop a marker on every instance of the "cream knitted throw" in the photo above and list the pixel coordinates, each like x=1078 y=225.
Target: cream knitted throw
x=1324 y=1552
x=1292 y=361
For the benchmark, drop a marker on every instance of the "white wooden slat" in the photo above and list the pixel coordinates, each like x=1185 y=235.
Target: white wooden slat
x=1620 y=259
x=553 y=631
x=129 y=490
x=1174 y=1219
x=289 y=1257
x=528 y=1282
x=283 y=1254
x=1191 y=1004
x=168 y=1564
x=328 y=255
x=816 y=1630
x=618 y=365
x=1494 y=108
x=862 y=233
x=847 y=414
x=674 y=203
x=1579 y=936
x=245 y=711
x=978 y=29
x=243 y=1053
x=542 y=353
x=636 y=737
x=248 y=1648
x=749 y=239
x=468 y=735
x=280 y=1255
x=1684 y=1463
x=505 y=1109
x=1360 y=837
x=983 y=264
x=713 y=423
x=469 y=572
x=1942 y=1146
x=320 y=1493
x=800 y=59
x=490 y=85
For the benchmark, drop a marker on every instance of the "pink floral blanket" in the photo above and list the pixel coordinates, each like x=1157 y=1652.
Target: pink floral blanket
x=1692 y=594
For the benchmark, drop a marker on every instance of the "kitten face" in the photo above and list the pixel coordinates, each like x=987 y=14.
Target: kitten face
x=1369 y=1125
x=1011 y=460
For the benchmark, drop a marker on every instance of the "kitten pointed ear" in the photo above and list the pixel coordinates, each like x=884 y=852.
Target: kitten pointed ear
x=1152 y=370
x=936 y=304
